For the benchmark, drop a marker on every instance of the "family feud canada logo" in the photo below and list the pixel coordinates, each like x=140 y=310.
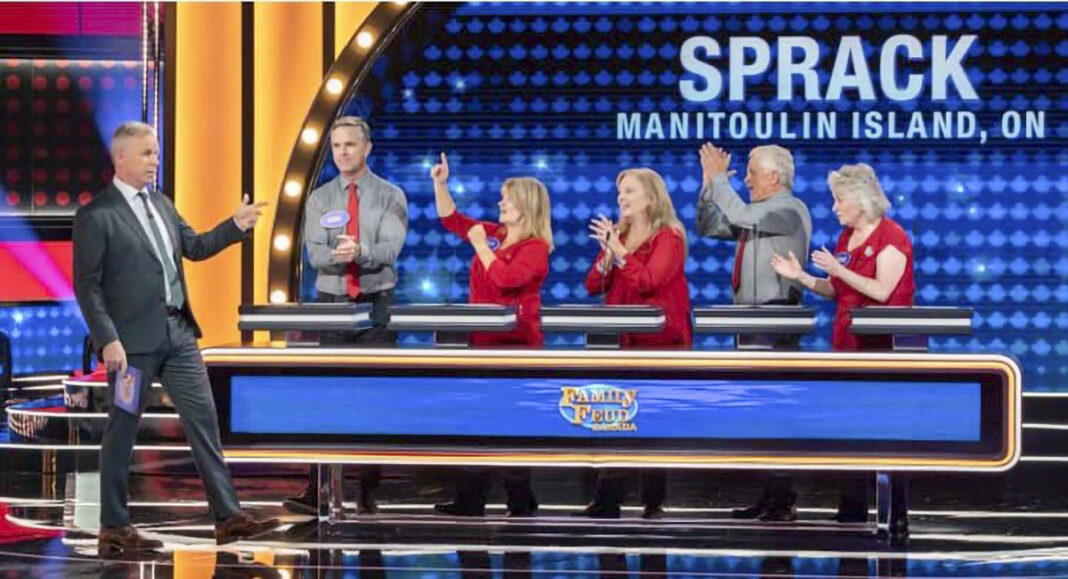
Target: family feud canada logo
x=600 y=407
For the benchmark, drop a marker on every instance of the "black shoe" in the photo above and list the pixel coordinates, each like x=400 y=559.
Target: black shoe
x=305 y=504
x=754 y=511
x=779 y=514
x=460 y=510
x=529 y=510
x=367 y=505
x=653 y=512
x=598 y=511
x=851 y=516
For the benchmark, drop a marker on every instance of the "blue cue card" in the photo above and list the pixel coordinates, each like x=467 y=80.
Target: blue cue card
x=128 y=390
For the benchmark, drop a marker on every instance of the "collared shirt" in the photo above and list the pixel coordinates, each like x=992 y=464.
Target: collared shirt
x=383 y=229
x=130 y=194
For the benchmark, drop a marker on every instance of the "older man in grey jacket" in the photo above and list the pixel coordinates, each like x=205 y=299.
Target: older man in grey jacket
x=773 y=222
x=354 y=230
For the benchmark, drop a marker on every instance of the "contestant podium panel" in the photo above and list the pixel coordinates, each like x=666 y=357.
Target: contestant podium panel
x=628 y=408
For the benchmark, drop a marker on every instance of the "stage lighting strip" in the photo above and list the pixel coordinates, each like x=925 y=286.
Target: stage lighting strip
x=96 y=384
x=864 y=323
x=73 y=415
x=450 y=320
x=749 y=322
x=51 y=378
x=547 y=321
x=632 y=359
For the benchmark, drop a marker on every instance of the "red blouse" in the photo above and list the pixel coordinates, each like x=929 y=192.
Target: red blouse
x=652 y=275
x=513 y=279
x=862 y=261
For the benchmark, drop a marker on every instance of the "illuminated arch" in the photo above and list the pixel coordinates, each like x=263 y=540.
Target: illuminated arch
x=307 y=156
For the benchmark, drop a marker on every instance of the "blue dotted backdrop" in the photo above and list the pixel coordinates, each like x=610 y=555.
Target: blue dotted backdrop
x=534 y=88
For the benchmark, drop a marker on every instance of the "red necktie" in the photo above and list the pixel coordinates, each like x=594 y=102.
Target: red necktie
x=352 y=228
x=736 y=275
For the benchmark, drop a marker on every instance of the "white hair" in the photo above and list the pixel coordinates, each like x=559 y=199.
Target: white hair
x=777 y=159
x=860 y=182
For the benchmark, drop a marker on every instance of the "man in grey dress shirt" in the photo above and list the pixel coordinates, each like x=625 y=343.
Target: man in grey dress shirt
x=383 y=227
x=773 y=222
x=354 y=264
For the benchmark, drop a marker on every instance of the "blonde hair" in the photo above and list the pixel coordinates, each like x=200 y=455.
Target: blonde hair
x=661 y=212
x=129 y=129
x=778 y=159
x=530 y=196
x=355 y=122
x=860 y=182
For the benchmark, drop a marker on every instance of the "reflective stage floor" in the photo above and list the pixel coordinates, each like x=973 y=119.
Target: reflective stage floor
x=960 y=526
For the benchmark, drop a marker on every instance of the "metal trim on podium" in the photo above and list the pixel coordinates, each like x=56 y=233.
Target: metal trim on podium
x=452 y=324
x=303 y=322
x=754 y=327
x=602 y=324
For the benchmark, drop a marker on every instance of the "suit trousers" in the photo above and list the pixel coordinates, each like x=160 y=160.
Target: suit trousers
x=180 y=368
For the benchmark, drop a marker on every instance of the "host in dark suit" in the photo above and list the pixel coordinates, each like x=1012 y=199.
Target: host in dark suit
x=130 y=284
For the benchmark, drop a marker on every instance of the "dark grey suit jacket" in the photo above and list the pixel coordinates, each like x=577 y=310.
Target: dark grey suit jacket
x=118 y=279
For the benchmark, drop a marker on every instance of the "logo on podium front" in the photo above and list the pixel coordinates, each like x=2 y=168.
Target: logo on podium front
x=600 y=407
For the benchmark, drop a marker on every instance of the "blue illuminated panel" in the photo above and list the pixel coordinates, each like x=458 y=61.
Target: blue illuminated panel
x=542 y=407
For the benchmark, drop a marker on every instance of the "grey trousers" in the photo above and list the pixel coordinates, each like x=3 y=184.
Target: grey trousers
x=180 y=369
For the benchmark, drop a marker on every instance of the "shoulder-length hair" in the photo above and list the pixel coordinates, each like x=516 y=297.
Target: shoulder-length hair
x=661 y=211
x=531 y=197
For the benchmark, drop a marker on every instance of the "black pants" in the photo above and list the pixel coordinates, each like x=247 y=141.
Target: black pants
x=609 y=489
x=473 y=484
x=378 y=335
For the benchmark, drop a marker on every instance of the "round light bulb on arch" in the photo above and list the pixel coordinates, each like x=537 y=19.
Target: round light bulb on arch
x=292 y=188
x=282 y=242
x=365 y=39
x=278 y=297
x=310 y=136
x=334 y=86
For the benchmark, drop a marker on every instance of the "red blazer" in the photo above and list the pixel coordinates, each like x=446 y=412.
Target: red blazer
x=514 y=279
x=653 y=275
x=862 y=260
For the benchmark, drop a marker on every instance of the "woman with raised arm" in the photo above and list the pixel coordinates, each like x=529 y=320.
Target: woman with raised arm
x=510 y=265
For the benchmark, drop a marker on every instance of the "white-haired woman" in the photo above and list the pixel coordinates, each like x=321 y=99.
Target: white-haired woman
x=872 y=265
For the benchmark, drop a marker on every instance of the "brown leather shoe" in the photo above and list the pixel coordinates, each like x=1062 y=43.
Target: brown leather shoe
x=116 y=541
x=242 y=525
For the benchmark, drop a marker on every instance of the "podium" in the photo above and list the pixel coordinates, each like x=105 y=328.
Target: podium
x=909 y=327
x=452 y=324
x=755 y=327
x=302 y=323
x=602 y=324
